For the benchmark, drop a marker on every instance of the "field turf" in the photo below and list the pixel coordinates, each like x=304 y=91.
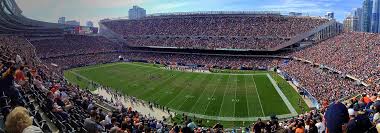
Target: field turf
x=222 y=94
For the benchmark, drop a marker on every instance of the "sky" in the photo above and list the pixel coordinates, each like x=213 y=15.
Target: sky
x=95 y=10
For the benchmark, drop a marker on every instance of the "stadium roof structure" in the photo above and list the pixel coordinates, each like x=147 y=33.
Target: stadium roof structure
x=216 y=13
x=13 y=22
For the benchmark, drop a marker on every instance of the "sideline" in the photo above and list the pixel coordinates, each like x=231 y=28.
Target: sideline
x=282 y=95
x=162 y=68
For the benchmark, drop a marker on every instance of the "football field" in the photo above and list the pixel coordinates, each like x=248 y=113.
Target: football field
x=227 y=96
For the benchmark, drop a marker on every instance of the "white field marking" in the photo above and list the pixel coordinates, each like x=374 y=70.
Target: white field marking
x=135 y=82
x=224 y=94
x=282 y=95
x=129 y=63
x=283 y=116
x=187 y=86
x=235 y=99
x=100 y=66
x=213 y=93
x=191 y=96
x=160 y=96
x=155 y=72
x=83 y=77
x=95 y=66
x=155 y=87
x=257 y=92
x=192 y=108
x=152 y=71
x=246 y=94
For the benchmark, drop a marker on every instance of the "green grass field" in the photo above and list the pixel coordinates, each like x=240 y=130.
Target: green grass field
x=226 y=94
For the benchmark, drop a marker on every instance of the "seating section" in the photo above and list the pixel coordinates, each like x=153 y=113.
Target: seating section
x=72 y=61
x=209 y=43
x=74 y=45
x=323 y=85
x=351 y=53
x=213 y=31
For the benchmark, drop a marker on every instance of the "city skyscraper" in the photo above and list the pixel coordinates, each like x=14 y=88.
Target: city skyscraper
x=375 y=16
x=357 y=14
x=366 y=17
x=136 y=13
x=348 y=23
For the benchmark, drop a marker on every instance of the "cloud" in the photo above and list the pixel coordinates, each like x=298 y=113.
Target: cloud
x=83 y=10
x=110 y=3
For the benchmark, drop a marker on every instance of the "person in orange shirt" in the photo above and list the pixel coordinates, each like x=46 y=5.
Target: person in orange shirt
x=366 y=100
x=19 y=76
x=300 y=128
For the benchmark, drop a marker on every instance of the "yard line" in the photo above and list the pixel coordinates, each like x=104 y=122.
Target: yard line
x=246 y=94
x=192 y=108
x=236 y=87
x=224 y=94
x=204 y=79
x=213 y=93
x=155 y=72
x=164 y=81
x=282 y=95
x=134 y=82
x=187 y=86
x=257 y=92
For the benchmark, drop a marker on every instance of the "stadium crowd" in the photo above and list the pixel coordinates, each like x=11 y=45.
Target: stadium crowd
x=207 y=43
x=208 y=26
x=322 y=84
x=351 y=53
x=71 y=61
x=214 y=25
x=73 y=45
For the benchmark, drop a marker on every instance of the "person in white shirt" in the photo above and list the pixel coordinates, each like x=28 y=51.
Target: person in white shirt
x=108 y=118
x=320 y=126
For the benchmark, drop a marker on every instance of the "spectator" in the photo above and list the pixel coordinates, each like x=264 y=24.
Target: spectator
x=320 y=126
x=19 y=121
x=336 y=118
x=90 y=123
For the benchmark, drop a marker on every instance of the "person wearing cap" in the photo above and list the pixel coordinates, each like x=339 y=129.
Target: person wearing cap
x=376 y=116
x=336 y=118
x=351 y=126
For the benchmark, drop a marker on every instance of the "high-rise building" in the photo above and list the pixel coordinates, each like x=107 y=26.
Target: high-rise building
x=347 y=23
x=375 y=16
x=367 y=14
x=90 y=24
x=330 y=15
x=355 y=23
x=73 y=23
x=136 y=13
x=62 y=20
x=357 y=14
